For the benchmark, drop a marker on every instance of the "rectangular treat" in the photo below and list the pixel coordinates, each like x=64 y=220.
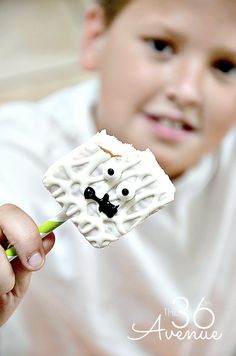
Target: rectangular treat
x=107 y=187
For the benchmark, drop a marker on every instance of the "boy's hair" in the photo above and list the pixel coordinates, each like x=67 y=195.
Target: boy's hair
x=112 y=8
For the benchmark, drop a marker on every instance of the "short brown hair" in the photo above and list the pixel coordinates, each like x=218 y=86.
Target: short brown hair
x=112 y=8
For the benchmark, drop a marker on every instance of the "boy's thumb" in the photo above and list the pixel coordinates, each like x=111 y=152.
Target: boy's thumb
x=48 y=242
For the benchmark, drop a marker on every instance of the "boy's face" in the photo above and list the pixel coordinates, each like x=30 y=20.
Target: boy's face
x=168 y=76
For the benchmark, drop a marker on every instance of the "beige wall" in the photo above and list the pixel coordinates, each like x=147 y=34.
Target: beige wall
x=39 y=49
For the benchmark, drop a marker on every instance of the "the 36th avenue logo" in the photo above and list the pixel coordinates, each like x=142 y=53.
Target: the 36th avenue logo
x=180 y=330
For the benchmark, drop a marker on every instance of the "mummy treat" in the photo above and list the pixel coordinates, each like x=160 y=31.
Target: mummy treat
x=107 y=187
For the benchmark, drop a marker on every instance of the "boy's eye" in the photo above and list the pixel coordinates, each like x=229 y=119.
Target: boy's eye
x=161 y=46
x=225 y=66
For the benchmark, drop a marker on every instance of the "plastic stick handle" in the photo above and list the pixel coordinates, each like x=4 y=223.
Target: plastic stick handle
x=44 y=229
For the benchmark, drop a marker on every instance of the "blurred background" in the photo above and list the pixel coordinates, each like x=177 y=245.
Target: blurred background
x=39 y=49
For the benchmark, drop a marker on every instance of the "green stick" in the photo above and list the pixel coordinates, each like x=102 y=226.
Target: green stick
x=44 y=229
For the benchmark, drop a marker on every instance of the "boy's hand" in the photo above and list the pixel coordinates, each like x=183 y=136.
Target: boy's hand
x=18 y=229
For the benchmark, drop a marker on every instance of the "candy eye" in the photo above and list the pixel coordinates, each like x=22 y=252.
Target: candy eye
x=112 y=171
x=125 y=191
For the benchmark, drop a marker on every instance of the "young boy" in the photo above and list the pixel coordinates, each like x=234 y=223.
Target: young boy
x=167 y=81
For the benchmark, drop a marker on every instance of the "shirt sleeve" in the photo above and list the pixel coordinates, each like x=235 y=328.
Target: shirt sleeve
x=25 y=153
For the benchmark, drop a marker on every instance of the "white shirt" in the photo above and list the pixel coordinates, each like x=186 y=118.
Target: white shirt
x=85 y=301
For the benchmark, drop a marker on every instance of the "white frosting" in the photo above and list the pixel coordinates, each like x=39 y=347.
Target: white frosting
x=135 y=173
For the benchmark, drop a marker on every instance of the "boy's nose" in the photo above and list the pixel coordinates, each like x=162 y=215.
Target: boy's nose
x=185 y=87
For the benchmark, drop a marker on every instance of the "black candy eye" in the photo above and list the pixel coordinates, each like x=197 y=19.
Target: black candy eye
x=125 y=191
x=112 y=170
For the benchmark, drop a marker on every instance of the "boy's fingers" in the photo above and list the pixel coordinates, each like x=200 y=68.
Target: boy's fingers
x=22 y=276
x=22 y=232
x=7 y=277
x=14 y=277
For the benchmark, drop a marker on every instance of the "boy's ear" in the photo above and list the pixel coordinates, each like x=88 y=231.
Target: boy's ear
x=93 y=32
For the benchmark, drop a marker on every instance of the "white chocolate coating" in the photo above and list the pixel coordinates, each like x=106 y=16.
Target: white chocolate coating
x=136 y=184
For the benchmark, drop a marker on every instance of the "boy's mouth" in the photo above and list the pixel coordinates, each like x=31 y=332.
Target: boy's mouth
x=170 y=127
